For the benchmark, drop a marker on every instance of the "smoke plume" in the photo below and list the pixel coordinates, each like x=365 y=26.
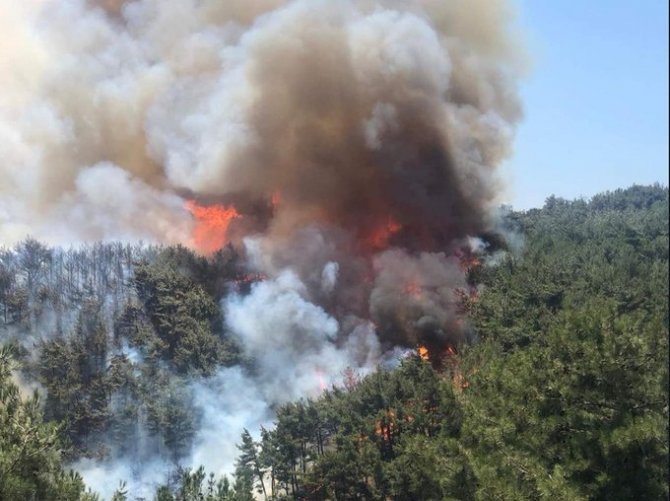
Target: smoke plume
x=350 y=148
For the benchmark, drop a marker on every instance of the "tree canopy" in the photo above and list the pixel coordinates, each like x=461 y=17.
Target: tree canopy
x=563 y=393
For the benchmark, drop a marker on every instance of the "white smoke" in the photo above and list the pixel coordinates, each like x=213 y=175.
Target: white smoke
x=230 y=402
x=293 y=345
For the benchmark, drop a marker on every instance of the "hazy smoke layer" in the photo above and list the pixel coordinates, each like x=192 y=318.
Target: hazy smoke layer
x=357 y=140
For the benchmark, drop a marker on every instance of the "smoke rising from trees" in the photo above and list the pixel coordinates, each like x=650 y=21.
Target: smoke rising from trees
x=358 y=142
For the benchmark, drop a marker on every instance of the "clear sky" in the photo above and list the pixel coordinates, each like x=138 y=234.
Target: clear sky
x=596 y=99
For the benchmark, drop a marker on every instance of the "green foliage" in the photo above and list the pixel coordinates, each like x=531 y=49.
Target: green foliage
x=101 y=399
x=185 y=318
x=213 y=273
x=249 y=470
x=121 y=494
x=195 y=485
x=30 y=451
x=580 y=415
x=74 y=372
x=170 y=417
x=357 y=444
x=575 y=251
x=565 y=396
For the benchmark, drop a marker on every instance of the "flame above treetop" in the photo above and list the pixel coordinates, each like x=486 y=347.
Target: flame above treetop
x=210 y=232
x=381 y=235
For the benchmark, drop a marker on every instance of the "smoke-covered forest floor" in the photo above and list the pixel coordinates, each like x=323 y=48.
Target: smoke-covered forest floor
x=116 y=362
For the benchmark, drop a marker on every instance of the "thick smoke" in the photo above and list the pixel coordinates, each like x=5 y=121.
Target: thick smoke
x=354 y=112
x=358 y=141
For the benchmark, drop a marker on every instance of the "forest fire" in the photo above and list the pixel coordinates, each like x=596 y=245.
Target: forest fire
x=315 y=179
x=385 y=427
x=439 y=357
x=211 y=225
x=448 y=364
x=381 y=235
x=452 y=366
x=469 y=262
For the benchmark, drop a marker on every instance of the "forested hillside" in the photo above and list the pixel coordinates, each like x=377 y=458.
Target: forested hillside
x=110 y=337
x=563 y=394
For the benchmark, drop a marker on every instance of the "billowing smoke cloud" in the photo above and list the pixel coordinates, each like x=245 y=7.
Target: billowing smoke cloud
x=354 y=112
x=356 y=140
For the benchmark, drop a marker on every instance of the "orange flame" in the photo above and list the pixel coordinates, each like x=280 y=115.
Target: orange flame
x=380 y=236
x=211 y=225
x=423 y=353
x=469 y=262
x=385 y=428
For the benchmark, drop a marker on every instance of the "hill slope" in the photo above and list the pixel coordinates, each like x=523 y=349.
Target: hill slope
x=562 y=396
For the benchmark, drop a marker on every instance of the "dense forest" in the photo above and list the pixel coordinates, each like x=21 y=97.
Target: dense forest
x=563 y=393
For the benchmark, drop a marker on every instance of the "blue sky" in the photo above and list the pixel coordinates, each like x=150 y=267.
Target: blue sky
x=596 y=99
